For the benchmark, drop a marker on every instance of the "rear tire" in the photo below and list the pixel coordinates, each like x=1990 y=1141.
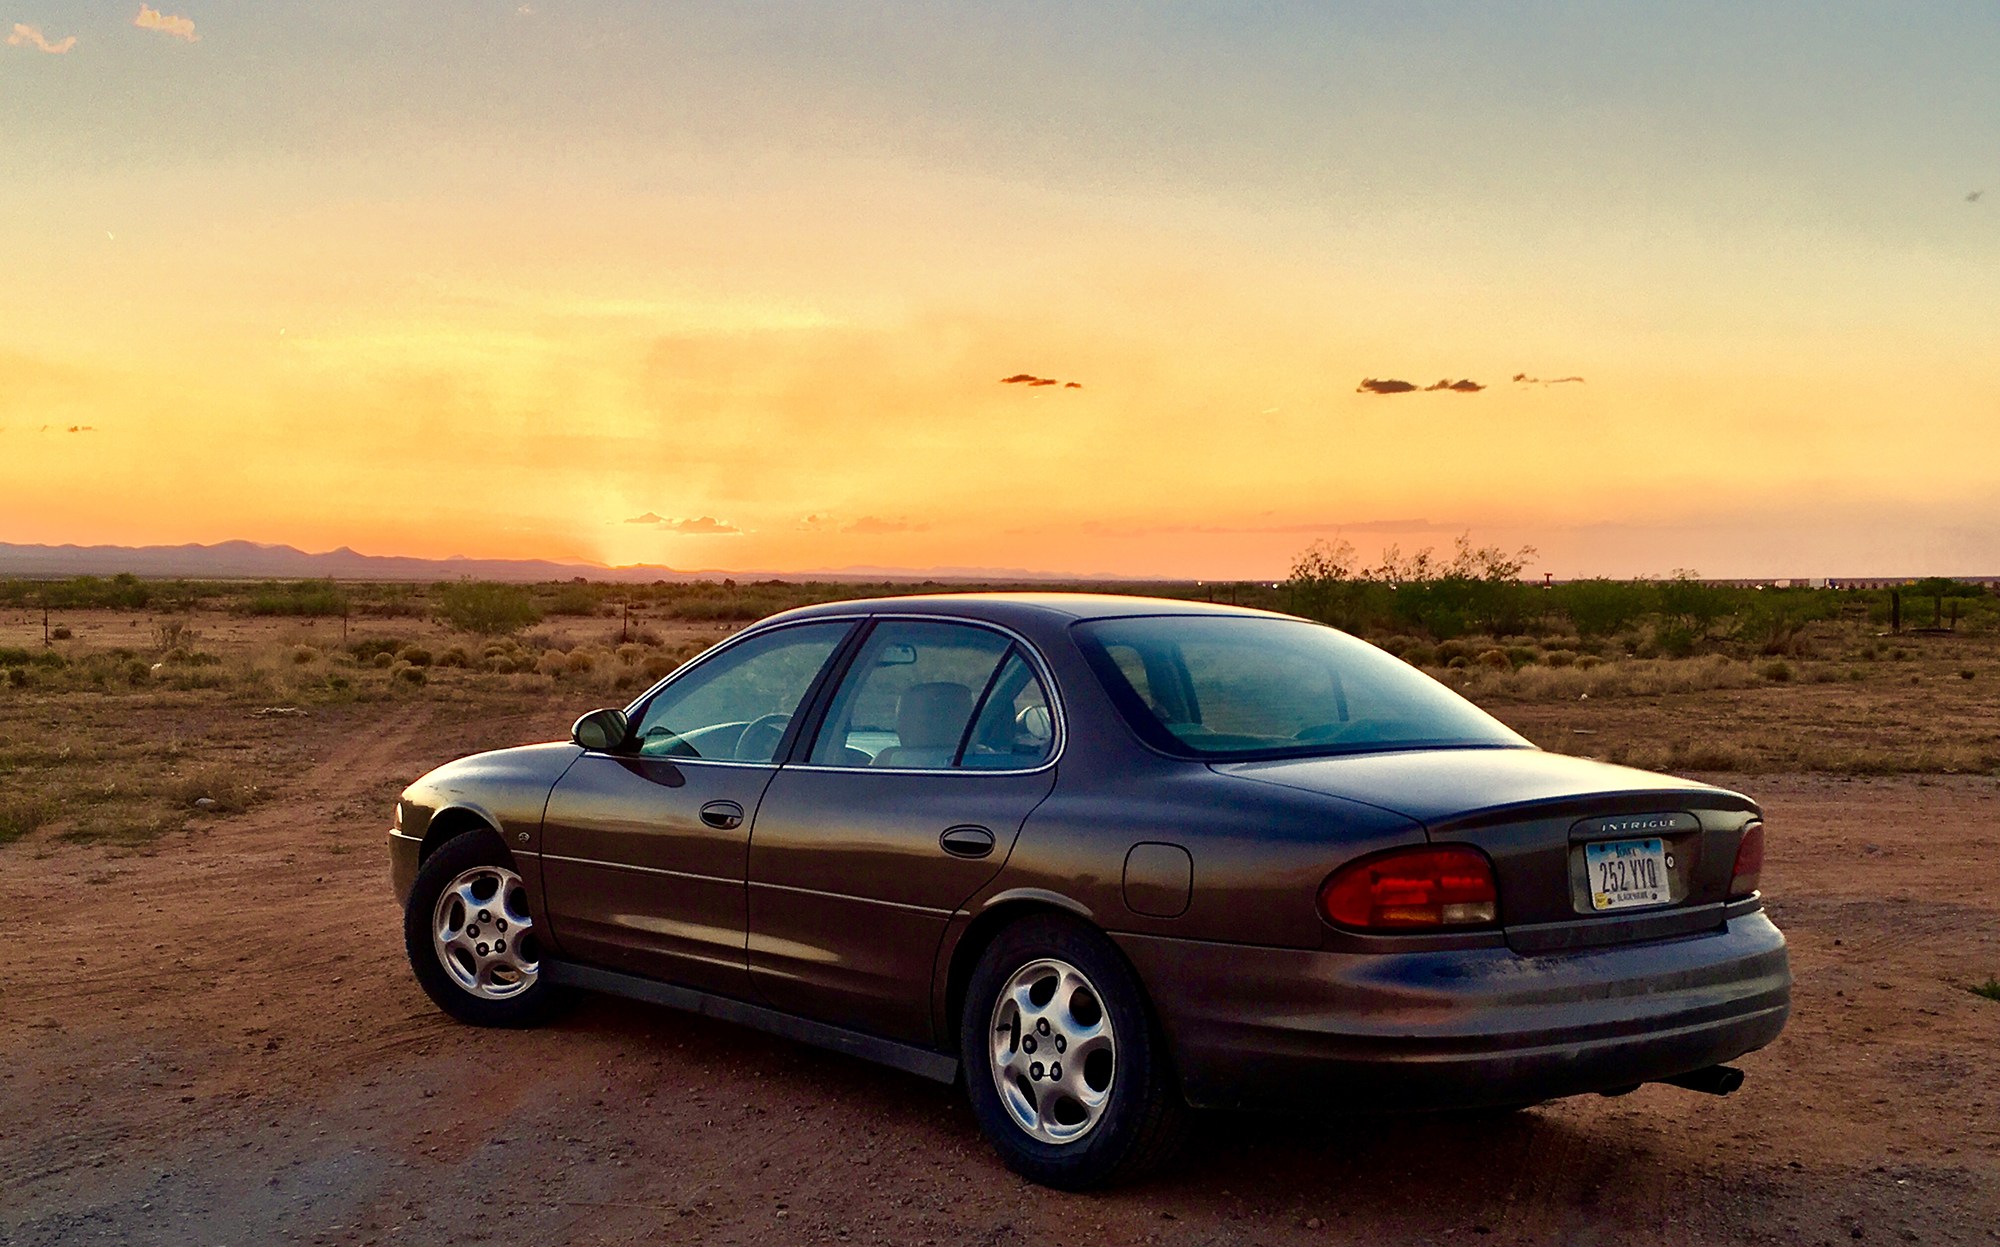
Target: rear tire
x=470 y=938
x=1050 y=989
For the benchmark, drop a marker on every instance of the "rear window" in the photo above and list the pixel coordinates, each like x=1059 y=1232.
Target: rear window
x=1243 y=687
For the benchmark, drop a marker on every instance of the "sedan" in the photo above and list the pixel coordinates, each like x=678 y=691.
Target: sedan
x=1103 y=859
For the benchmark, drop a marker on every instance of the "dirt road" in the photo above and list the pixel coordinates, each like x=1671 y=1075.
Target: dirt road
x=216 y=1041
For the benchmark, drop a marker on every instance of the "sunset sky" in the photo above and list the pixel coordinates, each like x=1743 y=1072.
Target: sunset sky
x=500 y=279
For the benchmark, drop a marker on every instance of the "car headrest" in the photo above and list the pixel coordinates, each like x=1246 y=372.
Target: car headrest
x=932 y=715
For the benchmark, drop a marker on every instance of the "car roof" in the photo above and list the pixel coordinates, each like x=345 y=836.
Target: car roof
x=1020 y=607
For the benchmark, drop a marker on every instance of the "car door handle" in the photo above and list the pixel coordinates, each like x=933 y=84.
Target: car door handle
x=722 y=815
x=967 y=841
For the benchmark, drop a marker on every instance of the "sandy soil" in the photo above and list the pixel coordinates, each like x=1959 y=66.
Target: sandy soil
x=214 y=1040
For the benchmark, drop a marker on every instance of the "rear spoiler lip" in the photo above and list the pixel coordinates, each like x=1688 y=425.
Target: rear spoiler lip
x=1592 y=804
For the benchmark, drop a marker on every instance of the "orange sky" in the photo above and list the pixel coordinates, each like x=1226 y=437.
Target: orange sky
x=496 y=279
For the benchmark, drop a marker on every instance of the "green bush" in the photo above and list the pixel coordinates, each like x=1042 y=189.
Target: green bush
x=311 y=598
x=487 y=609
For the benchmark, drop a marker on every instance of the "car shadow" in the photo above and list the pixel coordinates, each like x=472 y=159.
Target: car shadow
x=1446 y=1168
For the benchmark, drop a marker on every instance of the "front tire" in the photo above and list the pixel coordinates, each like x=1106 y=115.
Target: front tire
x=470 y=938
x=1066 y=1070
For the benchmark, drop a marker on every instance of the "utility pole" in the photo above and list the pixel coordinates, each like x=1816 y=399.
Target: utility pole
x=45 y=619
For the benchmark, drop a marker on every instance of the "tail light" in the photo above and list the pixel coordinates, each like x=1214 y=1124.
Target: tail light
x=1749 y=862
x=1412 y=890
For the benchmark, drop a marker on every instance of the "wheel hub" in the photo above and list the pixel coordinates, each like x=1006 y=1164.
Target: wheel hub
x=483 y=934
x=1053 y=1053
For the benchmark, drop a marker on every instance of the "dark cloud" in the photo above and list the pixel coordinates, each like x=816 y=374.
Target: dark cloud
x=647 y=518
x=1524 y=379
x=1971 y=198
x=1386 y=386
x=1031 y=380
x=1456 y=387
x=874 y=524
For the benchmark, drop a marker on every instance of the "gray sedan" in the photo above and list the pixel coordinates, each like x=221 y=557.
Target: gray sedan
x=1102 y=859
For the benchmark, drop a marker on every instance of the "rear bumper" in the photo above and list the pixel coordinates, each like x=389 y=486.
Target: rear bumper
x=1298 y=1028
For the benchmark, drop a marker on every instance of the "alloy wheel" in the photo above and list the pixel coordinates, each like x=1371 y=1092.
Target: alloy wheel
x=1053 y=1053
x=483 y=934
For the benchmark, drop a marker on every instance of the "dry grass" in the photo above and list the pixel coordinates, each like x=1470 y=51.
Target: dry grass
x=141 y=727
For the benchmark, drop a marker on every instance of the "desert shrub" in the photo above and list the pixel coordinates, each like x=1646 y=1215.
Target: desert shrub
x=312 y=598
x=1584 y=662
x=1523 y=655
x=13 y=656
x=18 y=677
x=1417 y=654
x=1494 y=658
x=579 y=661
x=230 y=792
x=659 y=666
x=121 y=592
x=1777 y=669
x=1448 y=650
x=454 y=656
x=1602 y=608
x=383 y=659
x=485 y=608
x=552 y=662
x=18 y=817
x=368 y=647
x=302 y=654
x=1459 y=663
x=629 y=653
x=573 y=599
x=415 y=655
x=1966 y=673
x=1560 y=658
x=61 y=633
x=138 y=671
x=404 y=673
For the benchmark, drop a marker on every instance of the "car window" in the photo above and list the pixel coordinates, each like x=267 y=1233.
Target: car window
x=1016 y=728
x=737 y=704
x=910 y=695
x=1250 y=687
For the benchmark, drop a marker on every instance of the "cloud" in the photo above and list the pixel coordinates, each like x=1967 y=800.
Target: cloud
x=1524 y=379
x=1392 y=385
x=26 y=36
x=700 y=526
x=873 y=525
x=1031 y=380
x=703 y=526
x=179 y=27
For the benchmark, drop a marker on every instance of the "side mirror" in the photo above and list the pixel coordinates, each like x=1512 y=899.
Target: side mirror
x=602 y=730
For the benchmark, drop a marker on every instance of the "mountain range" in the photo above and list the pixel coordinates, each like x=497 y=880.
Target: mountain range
x=240 y=560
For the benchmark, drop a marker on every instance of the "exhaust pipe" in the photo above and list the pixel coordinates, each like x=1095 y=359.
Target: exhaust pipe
x=1714 y=1080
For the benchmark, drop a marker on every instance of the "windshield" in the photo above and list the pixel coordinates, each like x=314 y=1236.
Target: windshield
x=1242 y=687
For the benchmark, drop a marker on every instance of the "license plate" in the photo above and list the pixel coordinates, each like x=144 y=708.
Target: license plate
x=1626 y=873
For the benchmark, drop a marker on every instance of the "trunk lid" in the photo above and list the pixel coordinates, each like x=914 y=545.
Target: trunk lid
x=1535 y=815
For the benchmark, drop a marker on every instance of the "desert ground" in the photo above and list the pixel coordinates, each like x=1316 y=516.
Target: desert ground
x=208 y=1034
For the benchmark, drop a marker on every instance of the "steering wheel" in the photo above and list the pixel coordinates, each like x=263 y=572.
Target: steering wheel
x=759 y=741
